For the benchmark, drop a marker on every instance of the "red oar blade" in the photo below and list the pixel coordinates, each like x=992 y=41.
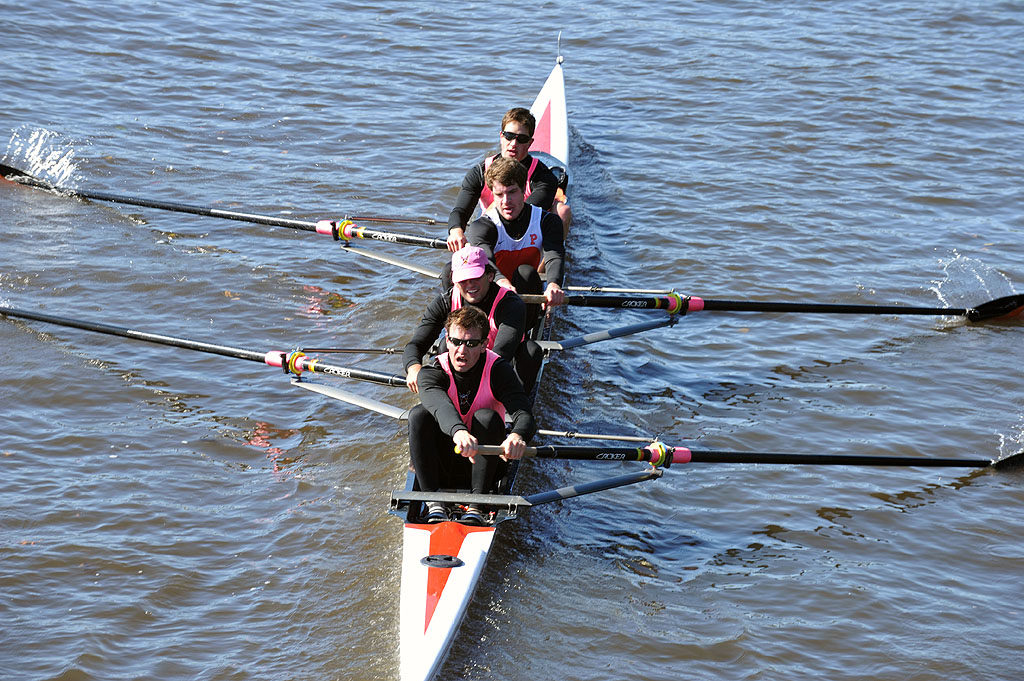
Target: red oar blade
x=11 y=171
x=1005 y=307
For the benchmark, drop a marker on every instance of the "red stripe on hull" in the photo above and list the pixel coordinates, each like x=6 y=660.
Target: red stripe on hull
x=542 y=134
x=445 y=540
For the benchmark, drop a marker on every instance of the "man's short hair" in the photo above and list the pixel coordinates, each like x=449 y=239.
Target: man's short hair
x=506 y=171
x=469 y=318
x=521 y=116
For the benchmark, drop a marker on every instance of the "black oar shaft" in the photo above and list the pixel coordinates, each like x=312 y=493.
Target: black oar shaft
x=671 y=303
x=585 y=453
x=343 y=229
x=354 y=232
x=713 y=456
x=674 y=303
x=135 y=334
x=173 y=206
x=1007 y=306
x=679 y=455
x=826 y=308
x=295 y=363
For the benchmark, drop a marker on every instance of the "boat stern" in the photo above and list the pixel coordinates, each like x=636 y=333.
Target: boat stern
x=441 y=564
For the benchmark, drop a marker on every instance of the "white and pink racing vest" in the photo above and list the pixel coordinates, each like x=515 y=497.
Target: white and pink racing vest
x=484 y=399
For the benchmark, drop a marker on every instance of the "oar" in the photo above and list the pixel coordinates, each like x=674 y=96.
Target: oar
x=291 y=362
x=344 y=229
x=673 y=303
x=660 y=454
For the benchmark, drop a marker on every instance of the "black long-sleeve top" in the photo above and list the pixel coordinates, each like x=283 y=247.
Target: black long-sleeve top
x=543 y=187
x=509 y=317
x=505 y=386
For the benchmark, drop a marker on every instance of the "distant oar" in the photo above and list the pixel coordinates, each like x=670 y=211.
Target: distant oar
x=291 y=362
x=673 y=303
x=660 y=454
x=339 y=230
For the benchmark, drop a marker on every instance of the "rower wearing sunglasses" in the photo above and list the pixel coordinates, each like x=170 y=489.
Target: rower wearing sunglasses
x=466 y=393
x=473 y=284
x=542 y=186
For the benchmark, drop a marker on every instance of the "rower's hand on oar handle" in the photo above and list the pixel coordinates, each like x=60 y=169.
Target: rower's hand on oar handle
x=553 y=295
x=411 y=375
x=514 y=447
x=456 y=239
x=465 y=444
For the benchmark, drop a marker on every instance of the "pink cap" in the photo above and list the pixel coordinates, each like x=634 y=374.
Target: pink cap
x=469 y=262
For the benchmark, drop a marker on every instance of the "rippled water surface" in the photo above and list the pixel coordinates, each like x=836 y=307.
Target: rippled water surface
x=177 y=515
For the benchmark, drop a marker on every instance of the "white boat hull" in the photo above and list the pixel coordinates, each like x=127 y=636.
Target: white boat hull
x=551 y=135
x=441 y=563
x=434 y=599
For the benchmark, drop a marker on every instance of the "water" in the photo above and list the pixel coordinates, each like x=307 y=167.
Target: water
x=175 y=515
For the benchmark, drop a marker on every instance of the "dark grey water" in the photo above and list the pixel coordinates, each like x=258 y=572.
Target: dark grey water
x=174 y=515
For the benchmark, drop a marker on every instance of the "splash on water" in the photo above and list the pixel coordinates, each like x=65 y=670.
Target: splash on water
x=44 y=154
x=1012 y=442
x=969 y=281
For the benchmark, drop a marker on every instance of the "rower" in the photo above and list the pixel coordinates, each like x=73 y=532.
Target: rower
x=473 y=278
x=465 y=395
x=543 y=187
x=519 y=238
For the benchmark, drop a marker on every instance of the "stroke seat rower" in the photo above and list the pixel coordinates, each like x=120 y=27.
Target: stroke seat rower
x=466 y=395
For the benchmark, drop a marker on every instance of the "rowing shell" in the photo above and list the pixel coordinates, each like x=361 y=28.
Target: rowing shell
x=442 y=562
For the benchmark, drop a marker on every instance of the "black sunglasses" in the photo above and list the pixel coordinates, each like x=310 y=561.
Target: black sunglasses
x=468 y=342
x=521 y=138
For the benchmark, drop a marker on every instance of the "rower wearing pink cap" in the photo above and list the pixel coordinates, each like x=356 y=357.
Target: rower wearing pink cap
x=473 y=284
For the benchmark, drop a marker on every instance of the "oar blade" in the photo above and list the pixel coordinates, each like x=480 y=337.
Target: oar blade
x=11 y=171
x=1005 y=307
x=1013 y=462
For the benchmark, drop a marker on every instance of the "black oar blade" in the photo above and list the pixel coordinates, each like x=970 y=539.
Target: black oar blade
x=1007 y=306
x=11 y=171
x=1013 y=462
